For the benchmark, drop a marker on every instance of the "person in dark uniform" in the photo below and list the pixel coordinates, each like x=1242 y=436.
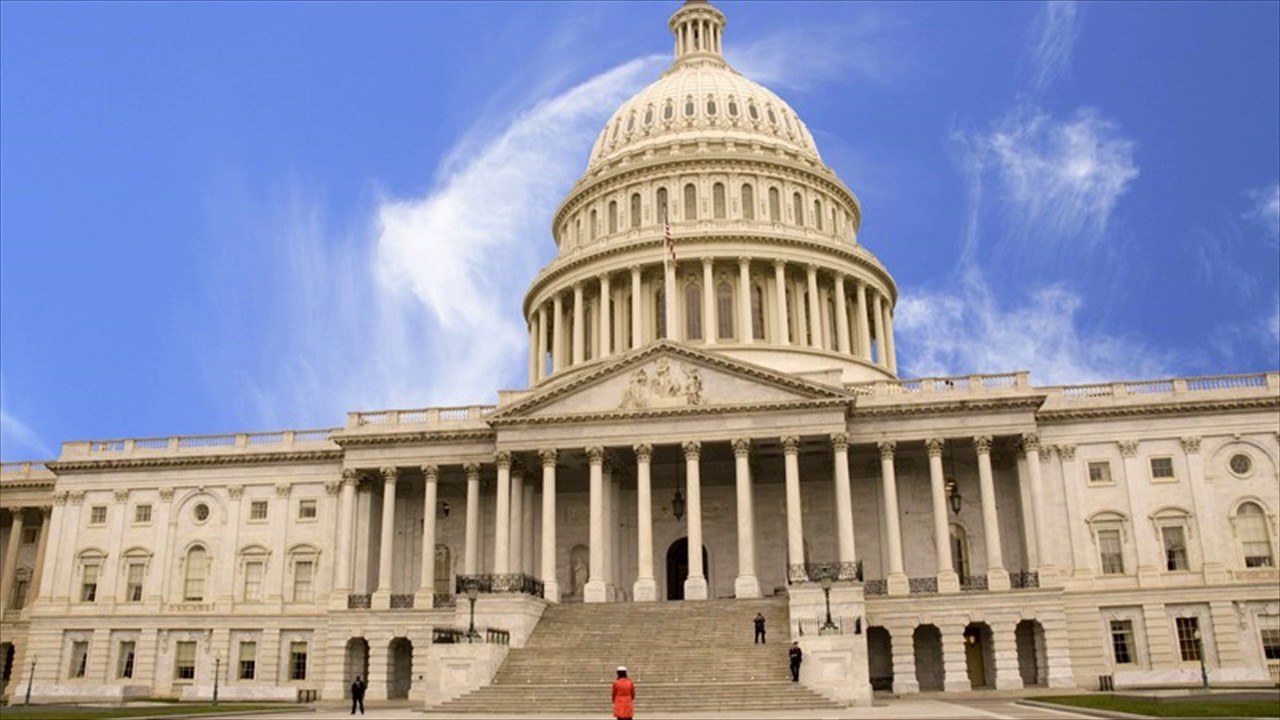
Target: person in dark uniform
x=797 y=657
x=357 y=695
x=759 y=628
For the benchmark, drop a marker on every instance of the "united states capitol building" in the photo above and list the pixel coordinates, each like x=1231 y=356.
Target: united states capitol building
x=711 y=421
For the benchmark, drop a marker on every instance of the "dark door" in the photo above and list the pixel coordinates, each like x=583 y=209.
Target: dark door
x=678 y=568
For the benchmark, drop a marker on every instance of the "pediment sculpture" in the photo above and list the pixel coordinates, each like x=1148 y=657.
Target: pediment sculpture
x=664 y=388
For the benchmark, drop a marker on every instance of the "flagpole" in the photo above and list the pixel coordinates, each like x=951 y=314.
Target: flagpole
x=669 y=282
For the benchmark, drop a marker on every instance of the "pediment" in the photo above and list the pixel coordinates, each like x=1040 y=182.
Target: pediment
x=665 y=377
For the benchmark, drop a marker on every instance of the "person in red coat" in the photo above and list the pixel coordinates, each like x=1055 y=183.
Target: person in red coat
x=624 y=696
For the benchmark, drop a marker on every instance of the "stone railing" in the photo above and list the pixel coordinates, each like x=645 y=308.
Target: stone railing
x=436 y=416
x=961 y=384
x=1172 y=386
x=26 y=467
x=816 y=571
x=199 y=444
x=192 y=607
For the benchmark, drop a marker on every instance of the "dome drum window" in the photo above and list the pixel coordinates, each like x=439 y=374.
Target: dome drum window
x=688 y=107
x=752 y=111
x=733 y=108
x=200 y=512
x=711 y=106
x=669 y=111
x=648 y=116
x=631 y=122
x=1240 y=464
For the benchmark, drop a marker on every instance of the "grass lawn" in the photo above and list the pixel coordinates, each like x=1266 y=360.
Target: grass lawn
x=1180 y=708
x=78 y=712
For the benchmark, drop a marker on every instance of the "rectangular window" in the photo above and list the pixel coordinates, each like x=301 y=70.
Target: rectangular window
x=297 y=661
x=98 y=515
x=79 y=658
x=1271 y=643
x=142 y=514
x=184 y=661
x=1189 y=639
x=306 y=509
x=1100 y=473
x=30 y=535
x=1175 y=548
x=303 y=571
x=1162 y=468
x=133 y=583
x=258 y=510
x=89 y=583
x=1122 y=641
x=20 y=587
x=248 y=660
x=124 y=660
x=1111 y=552
x=253 y=572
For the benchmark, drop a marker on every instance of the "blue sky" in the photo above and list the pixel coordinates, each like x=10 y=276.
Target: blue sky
x=241 y=216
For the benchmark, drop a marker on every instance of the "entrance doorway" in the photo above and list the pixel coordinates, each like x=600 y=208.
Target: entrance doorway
x=927 y=644
x=979 y=656
x=1032 y=662
x=355 y=662
x=678 y=568
x=400 y=675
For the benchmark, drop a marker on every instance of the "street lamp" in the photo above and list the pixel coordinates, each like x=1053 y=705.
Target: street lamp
x=953 y=495
x=30 y=676
x=827 y=582
x=473 y=591
x=217 y=670
x=677 y=505
x=1204 y=674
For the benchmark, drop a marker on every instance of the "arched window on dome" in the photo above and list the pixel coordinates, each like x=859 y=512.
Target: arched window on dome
x=624 y=328
x=817 y=213
x=717 y=201
x=724 y=311
x=693 y=311
x=635 y=210
x=648 y=116
x=688 y=106
x=711 y=105
x=775 y=205
x=616 y=127
x=631 y=122
x=194 y=569
x=613 y=216
x=690 y=202
x=748 y=202
x=797 y=206
x=660 y=311
x=752 y=111
x=591 y=228
x=786 y=119
x=733 y=108
x=669 y=111
x=660 y=205
x=773 y=119
x=830 y=341
x=757 y=311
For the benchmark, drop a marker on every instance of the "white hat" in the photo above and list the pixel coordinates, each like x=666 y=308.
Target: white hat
x=622 y=668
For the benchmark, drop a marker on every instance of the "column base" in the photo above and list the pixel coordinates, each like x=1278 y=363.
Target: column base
x=424 y=599
x=645 y=590
x=956 y=685
x=948 y=582
x=1049 y=576
x=595 y=591
x=746 y=586
x=899 y=585
x=997 y=579
x=551 y=590
x=695 y=588
x=1215 y=573
x=381 y=600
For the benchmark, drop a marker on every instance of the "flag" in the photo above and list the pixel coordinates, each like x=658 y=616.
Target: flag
x=669 y=245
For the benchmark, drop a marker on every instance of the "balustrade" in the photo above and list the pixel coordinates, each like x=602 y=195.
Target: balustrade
x=505 y=583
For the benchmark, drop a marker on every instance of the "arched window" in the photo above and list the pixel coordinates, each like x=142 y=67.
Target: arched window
x=817 y=213
x=809 y=322
x=960 y=552
x=194 y=570
x=591 y=229
x=635 y=210
x=613 y=216
x=625 y=330
x=711 y=105
x=831 y=342
x=748 y=202
x=1251 y=527
x=693 y=311
x=588 y=323
x=717 y=201
x=660 y=311
x=724 y=311
x=669 y=111
x=690 y=202
x=775 y=205
x=577 y=231
x=757 y=312
x=660 y=203
x=798 y=208
x=688 y=107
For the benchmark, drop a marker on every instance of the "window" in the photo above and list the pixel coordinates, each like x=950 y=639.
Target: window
x=690 y=202
x=693 y=311
x=1270 y=640
x=133 y=582
x=184 y=660
x=30 y=535
x=258 y=510
x=1162 y=468
x=1111 y=552
x=89 y=583
x=660 y=203
x=124 y=659
x=688 y=107
x=253 y=571
x=1251 y=526
x=1189 y=640
x=307 y=509
x=717 y=201
x=660 y=312
x=635 y=210
x=724 y=311
x=98 y=515
x=1122 y=641
x=797 y=204
x=817 y=213
x=1175 y=547
x=591 y=228
x=588 y=325
x=297 y=661
x=775 y=205
x=748 y=203
x=668 y=111
x=757 y=312
x=711 y=106
x=79 y=658
x=1240 y=464
x=752 y=111
x=248 y=664
x=303 y=571
x=1100 y=473
x=193 y=579
x=201 y=512
x=142 y=514
x=613 y=216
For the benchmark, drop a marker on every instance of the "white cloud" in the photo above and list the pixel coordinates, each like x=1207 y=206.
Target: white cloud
x=17 y=440
x=1054 y=35
x=1273 y=323
x=1266 y=208
x=804 y=58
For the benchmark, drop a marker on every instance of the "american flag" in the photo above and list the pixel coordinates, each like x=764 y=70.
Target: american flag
x=668 y=243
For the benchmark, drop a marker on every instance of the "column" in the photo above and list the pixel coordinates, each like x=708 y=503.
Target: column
x=37 y=575
x=1076 y=527
x=795 y=529
x=645 y=588
x=533 y=349
x=780 y=302
x=747 y=584
x=11 y=555
x=1048 y=570
x=57 y=519
x=948 y=580
x=382 y=596
x=892 y=353
x=557 y=334
x=517 y=519
x=1144 y=541
x=427 y=583
x=695 y=586
x=844 y=503
x=542 y=342
x=637 y=327
x=471 y=547
x=607 y=488
x=163 y=529
x=815 y=310
x=842 y=317
x=864 y=333
x=877 y=315
x=550 y=579
x=526 y=545
x=596 y=590
x=579 y=307
x=1005 y=649
x=606 y=317
x=1202 y=500
x=903 y=657
x=955 y=667
x=346 y=511
x=710 y=313
x=502 y=515
x=745 y=331
x=898 y=584
x=997 y=576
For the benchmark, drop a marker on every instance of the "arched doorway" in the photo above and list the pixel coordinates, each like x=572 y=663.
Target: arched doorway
x=930 y=674
x=1032 y=662
x=355 y=662
x=979 y=656
x=400 y=668
x=678 y=568
x=6 y=664
x=880 y=658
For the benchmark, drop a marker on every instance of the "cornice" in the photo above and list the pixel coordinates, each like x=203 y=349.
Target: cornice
x=413 y=436
x=660 y=413
x=71 y=466
x=951 y=407
x=26 y=483
x=1184 y=407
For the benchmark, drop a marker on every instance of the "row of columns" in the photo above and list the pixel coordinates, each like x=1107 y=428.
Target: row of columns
x=9 y=571
x=850 y=338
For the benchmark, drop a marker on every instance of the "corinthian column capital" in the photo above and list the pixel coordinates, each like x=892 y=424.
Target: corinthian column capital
x=887 y=449
x=548 y=456
x=644 y=452
x=502 y=459
x=840 y=442
x=595 y=455
x=741 y=447
x=692 y=449
x=935 y=446
x=983 y=444
x=790 y=444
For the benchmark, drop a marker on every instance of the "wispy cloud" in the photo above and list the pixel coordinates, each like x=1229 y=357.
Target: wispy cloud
x=1053 y=36
x=1266 y=208
x=804 y=58
x=17 y=440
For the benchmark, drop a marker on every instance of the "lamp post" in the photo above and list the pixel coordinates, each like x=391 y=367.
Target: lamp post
x=473 y=591
x=217 y=670
x=1204 y=674
x=30 y=676
x=827 y=582
x=953 y=495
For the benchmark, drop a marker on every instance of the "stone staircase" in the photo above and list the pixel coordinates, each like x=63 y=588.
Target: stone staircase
x=690 y=656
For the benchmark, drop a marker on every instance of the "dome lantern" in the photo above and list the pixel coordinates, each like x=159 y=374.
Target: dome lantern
x=698 y=28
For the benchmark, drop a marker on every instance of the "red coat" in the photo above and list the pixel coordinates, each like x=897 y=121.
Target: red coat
x=624 y=698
